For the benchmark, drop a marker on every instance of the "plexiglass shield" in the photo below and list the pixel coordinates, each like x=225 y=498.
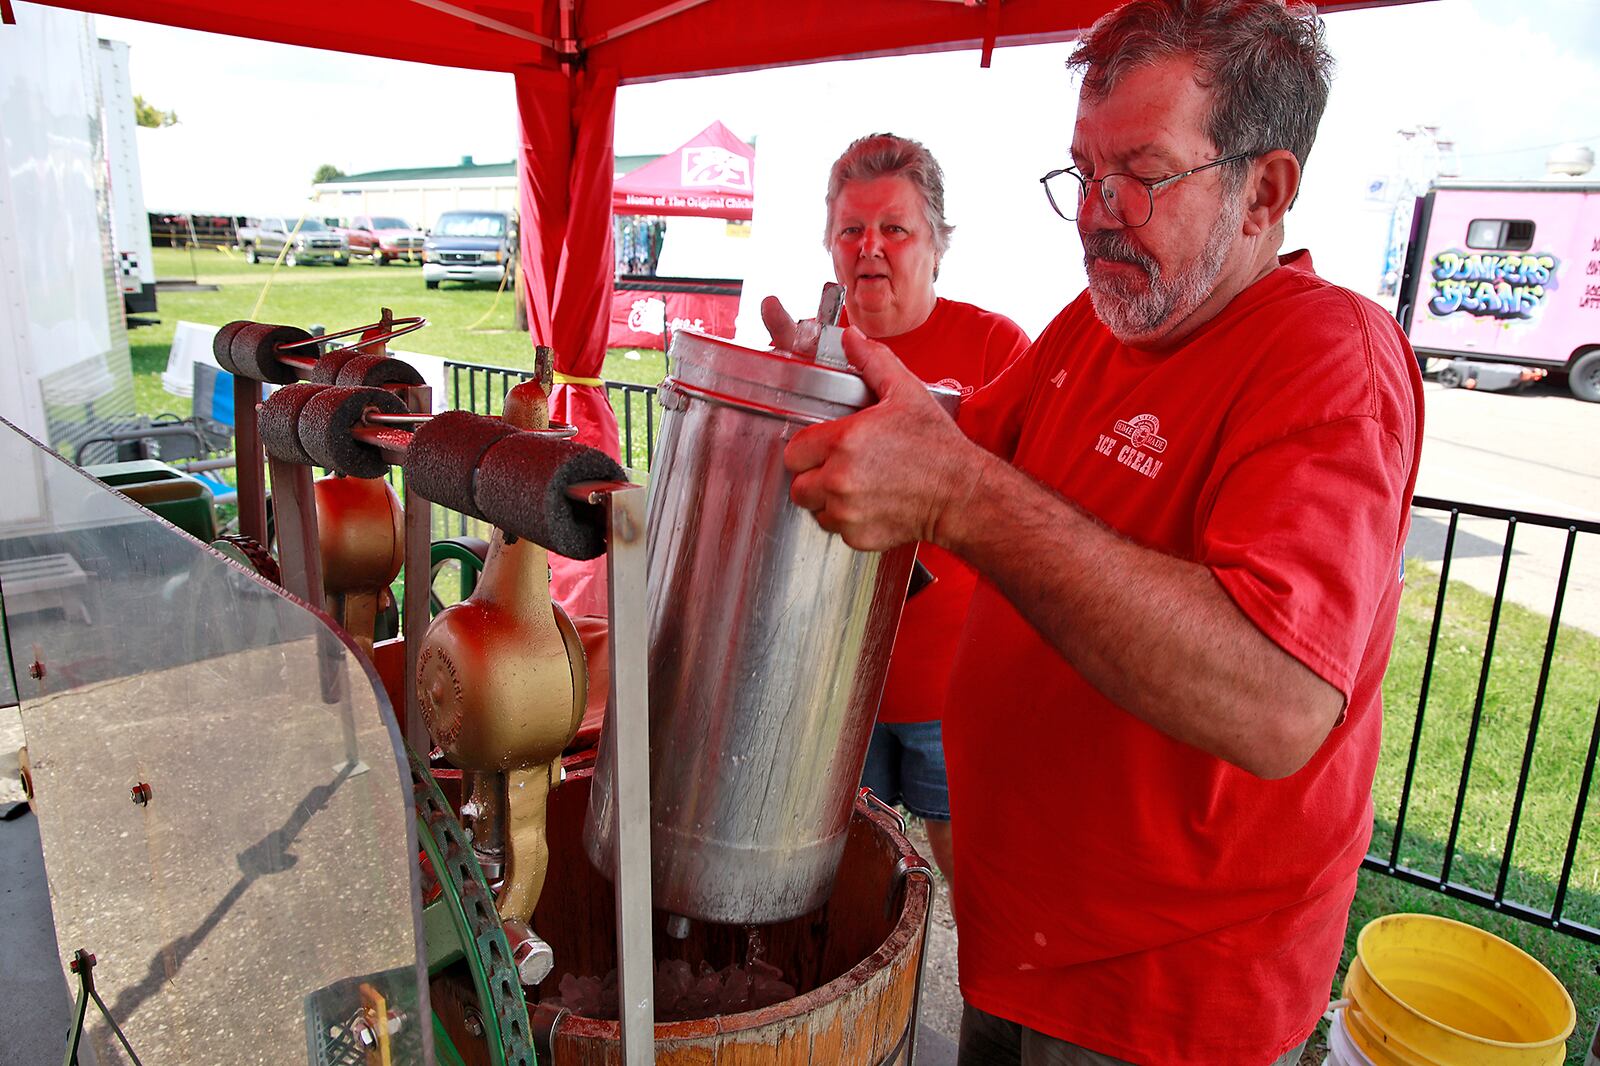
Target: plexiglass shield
x=223 y=800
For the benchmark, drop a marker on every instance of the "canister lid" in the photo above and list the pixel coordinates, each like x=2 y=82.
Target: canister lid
x=772 y=381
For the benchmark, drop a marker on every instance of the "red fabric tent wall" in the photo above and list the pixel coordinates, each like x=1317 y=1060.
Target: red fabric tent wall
x=711 y=175
x=564 y=171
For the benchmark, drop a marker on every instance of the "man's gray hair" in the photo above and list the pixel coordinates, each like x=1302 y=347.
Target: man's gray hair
x=1266 y=63
x=883 y=155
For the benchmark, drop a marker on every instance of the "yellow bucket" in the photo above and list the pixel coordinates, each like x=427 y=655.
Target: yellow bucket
x=1427 y=991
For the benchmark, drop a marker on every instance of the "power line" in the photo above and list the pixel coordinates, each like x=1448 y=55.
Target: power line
x=1529 y=148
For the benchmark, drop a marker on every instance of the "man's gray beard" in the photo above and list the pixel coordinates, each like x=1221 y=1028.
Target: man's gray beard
x=1132 y=312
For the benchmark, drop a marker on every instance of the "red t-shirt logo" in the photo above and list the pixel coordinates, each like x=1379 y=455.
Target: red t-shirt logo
x=1142 y=431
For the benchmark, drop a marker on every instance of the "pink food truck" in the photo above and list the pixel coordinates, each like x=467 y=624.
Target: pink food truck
x=1506 y=274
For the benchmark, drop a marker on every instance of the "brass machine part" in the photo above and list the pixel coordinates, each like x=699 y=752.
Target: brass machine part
x=502 y=682
x=361 y=534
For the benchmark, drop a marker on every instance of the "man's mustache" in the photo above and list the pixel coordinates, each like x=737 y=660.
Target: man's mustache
x=1117 y=248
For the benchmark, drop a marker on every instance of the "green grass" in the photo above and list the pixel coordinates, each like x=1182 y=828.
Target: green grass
x=466 y=323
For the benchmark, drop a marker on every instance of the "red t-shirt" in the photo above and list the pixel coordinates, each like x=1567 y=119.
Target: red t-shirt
x=1115 y=887
x=960 y=347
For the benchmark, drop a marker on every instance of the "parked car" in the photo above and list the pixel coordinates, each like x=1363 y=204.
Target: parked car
x=313 y=242
x=384 y=238
x=470 y=245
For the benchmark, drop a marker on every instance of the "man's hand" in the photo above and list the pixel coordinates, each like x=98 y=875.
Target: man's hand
x=797 y=337
x=891 y=474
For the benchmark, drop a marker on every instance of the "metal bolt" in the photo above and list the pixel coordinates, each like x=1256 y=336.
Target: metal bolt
x=473 y=1022
x=677 y=927
x=533 y=958
x=364 y=1034
x=140 y=794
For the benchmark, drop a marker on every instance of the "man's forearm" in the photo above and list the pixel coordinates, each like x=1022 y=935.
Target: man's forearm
x=1157 y=635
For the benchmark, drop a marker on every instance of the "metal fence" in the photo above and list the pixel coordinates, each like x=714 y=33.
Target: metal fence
x=1485 y=797
x=482 y=390
x=1432 y=828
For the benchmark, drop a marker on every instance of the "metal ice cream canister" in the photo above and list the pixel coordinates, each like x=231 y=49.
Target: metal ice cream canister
x=769 y=641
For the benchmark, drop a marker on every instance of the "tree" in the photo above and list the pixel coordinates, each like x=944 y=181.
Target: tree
x=152 y=117
x=327 y=172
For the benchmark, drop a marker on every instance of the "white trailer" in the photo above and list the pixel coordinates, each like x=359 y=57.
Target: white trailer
x=65 y=372
x=130 y=225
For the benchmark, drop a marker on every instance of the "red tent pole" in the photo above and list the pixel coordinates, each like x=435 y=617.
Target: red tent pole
x=564 y=175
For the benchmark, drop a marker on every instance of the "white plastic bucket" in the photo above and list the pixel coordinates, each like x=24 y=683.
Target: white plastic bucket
x=1342 y=1050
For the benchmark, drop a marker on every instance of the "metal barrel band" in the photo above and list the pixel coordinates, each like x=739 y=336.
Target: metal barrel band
x=722 y=399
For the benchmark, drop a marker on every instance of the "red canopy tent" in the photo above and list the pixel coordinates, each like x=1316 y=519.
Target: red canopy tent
x=711 y=175
x=568 y=57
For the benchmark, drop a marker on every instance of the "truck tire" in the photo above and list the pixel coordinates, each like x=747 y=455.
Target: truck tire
x=1584 y=377
x=250 y=255
x=1450 y=377
x=342 y=262
x=378 y=259
x=431 y=284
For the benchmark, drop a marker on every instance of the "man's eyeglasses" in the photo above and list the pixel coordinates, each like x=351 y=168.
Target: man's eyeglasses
x=1131 y=200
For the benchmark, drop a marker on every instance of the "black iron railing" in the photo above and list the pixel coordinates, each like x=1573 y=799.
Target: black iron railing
x=482 y=390
x=1474 y=873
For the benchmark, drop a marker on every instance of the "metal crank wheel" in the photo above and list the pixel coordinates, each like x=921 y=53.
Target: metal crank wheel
x=479 y=1012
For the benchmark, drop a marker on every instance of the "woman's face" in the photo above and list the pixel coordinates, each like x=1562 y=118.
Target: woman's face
x=883 y=255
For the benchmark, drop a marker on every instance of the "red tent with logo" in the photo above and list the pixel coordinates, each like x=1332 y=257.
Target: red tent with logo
x=711 y=175
x=568 y=57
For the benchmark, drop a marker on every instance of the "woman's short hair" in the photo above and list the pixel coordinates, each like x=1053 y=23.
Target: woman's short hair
x=883 y=155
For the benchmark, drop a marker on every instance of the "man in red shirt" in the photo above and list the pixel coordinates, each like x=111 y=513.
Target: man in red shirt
x=887 y=233
x=1187 y=504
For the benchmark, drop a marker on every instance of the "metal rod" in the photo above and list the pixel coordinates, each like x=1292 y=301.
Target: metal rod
x=1477 y=703
x=418 y=584
x=1485 y=899
x=1577 y=817
x=1533 y=722
x=649 y=429
x=488 y=23
x=299 y=548
x=1527 y=518
x=629 y=715
x=399 y=328
x=252 y=481
x=1422 y=697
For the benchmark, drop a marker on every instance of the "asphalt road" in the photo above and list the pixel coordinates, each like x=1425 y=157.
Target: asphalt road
x=1534 y=450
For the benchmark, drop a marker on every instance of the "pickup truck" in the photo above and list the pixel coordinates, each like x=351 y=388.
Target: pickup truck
x=384 y=238
x=263 y=238
x=471 y=245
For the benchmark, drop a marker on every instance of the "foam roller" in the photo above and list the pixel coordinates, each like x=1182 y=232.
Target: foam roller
x=327 y=421
x=326 y=372
x=222 y=344
x=253 y=351
x=444 y=452
x=279 y=421
x=378 y=370
x=522 y=488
